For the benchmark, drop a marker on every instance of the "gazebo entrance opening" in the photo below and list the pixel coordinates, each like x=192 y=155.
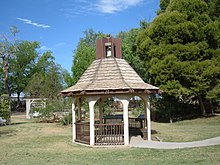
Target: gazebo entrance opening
x=109 y=122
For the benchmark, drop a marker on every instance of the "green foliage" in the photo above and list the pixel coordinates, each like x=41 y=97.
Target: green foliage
x=22 y=64
x=181 y=51
x=53 y=111
x=25 y=70
x=67 y=78
x=67 y=119
x=1 y=80
x=214 y=94
x=191 y=8
x=5 y=108
x=8 y=47
x=85 y=54
x=214 y=9
x=48 y=79
x=143 y=25
x=138 y=109
x=163 y=5
x=129 y=50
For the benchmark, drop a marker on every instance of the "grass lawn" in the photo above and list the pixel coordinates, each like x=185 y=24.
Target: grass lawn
x=26 y=142
x=188 y=130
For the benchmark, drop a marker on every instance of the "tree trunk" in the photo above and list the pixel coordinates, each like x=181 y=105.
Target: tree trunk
x=6 y=84
x=211 y=108
x=202 y=106
x=18 y=101
x=5 y=69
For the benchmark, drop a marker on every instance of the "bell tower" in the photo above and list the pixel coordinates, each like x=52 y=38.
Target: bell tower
x=108 y=47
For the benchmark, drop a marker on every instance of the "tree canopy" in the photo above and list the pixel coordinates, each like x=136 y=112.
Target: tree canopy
x=47 y=80
x=129 y=50
x=181 y=50
x=27 y=71
x=22 y=66
x=84 y=54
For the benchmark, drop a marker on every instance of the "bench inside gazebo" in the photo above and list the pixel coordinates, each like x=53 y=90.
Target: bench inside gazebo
x=109 y=76
x=110 y=131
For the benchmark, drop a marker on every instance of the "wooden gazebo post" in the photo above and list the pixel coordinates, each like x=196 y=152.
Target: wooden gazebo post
x=125 y=101
x=148 y=118
x=147 y=125
x=92 y=100
x=73 y=120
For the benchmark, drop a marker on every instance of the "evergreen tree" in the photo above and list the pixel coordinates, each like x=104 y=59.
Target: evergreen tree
x=181 y=50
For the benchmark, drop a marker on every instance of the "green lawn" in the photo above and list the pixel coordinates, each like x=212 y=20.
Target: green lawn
x=27 y=142
x=188 y=130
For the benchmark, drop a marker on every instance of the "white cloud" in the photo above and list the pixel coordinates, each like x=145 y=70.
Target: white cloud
x=86 y=7
x=60 y=44
x=113 y=6
x=27 y=21
x=45 y=48
x=78 y=7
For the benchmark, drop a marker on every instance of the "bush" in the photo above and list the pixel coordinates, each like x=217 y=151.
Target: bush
x=138 y=110
x=67 y=119
x=53 y=112
x=5 y=108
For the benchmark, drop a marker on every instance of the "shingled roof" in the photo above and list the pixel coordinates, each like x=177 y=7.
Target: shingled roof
x=109 y=76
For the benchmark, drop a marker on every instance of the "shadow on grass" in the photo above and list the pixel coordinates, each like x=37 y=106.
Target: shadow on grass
x=178 y=118
x=18 y=123
x=4 y=133
x=138 y=132
x=9 y=131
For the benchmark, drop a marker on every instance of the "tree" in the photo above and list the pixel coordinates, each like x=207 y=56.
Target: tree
x=53 y=82
x=67 y=78
x=163 y=5
x=7 y=50
x=181 y=50
x=1 y=79
x=46 y=83
x=214 y=9
x=47 y=80
x=22 y=66
x=129 y=49
x=84 y=54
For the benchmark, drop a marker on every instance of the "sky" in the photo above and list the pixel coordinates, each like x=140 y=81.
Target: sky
x=59 y=24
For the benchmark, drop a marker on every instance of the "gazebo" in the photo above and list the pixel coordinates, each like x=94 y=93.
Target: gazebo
x=108 y=76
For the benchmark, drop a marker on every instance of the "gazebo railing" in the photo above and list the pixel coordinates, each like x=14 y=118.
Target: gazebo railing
x=109 y=134
x=82 y=132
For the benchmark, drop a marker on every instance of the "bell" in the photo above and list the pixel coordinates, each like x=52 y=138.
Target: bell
x=109 y=51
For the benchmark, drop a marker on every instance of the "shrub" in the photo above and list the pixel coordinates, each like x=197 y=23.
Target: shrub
x=5 y=108
x=55 y=111
x=67 y=119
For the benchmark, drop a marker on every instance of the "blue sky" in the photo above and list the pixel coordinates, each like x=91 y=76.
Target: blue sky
x=59 y=24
